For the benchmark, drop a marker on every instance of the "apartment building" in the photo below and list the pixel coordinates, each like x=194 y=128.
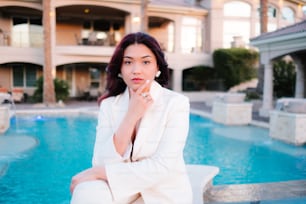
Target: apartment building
x=84 y=35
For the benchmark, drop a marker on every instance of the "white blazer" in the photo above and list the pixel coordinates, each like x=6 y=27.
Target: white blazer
x=157 y=171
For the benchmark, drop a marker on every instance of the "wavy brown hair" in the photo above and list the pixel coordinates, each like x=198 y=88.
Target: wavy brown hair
x=115 y=85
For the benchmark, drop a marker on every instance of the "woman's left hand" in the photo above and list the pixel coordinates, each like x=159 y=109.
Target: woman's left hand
x=90 y=174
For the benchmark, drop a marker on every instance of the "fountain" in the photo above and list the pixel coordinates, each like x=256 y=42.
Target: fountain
x=5 y=111
x=288 y=119
x=231 y=109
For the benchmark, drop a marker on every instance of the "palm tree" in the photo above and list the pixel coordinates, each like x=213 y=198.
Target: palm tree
x=48 y=86
x=263 y=16
x=263 y=29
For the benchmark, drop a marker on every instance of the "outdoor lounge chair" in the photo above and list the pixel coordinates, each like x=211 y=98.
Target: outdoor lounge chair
x=17 y=95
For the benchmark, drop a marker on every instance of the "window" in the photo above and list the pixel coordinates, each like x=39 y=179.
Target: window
x=94 y=77
x=272 y=12
x=101 y=32
x=30 y=75
x=24 y=75
x=233 y=28
x=18 y=79
x=237 y=9
x=288 y=14
x=271 y=27
x=191 y=40
x=27 y=32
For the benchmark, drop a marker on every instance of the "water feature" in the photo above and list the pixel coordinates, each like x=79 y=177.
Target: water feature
x=7 y=111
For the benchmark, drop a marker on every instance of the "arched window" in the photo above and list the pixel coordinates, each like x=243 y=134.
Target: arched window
x=191 y=35
x=237 y=9
x=237 y=22
x=288 y=14
x=272 y=12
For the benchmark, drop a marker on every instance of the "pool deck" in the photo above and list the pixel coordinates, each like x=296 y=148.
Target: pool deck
x=277 y=192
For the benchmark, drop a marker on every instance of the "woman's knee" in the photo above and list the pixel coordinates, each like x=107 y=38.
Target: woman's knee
x=92 y=192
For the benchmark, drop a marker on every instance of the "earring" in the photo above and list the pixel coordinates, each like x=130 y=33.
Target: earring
x=157 y=74
x=119 y=75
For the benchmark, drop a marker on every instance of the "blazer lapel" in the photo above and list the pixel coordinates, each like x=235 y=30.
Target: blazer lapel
x=145 y=126
x=119 y=108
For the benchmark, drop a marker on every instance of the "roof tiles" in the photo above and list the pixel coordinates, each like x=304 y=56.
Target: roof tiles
x=292 y=29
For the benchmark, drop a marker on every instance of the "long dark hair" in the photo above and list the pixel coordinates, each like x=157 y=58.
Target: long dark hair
x=115 y=85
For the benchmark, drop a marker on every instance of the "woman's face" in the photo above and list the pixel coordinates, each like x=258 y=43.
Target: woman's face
x=139 y=65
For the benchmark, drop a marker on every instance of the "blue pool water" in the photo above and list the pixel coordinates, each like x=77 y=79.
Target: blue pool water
x=42 y=175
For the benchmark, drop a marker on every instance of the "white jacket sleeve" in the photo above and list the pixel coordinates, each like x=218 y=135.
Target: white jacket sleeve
x=126 y=179
x=104 y=149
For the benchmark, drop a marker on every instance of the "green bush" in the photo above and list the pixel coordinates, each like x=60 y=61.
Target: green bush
x=61 y=90
x=284 y=77
x=196 y=78
x=235 y=65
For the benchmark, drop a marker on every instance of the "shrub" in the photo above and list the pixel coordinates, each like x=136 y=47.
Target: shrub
x=61 y=89
x=196 y=78
x=284 y=77
x=235 y=65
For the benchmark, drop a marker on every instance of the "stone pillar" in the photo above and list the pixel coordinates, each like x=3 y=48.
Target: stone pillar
x=177 y=34
x=254 y=20
x=268 y=90
x=133 y=21
x=177 y=80
x=300 y=78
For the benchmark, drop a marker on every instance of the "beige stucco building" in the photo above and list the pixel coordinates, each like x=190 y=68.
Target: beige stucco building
x=85 y=33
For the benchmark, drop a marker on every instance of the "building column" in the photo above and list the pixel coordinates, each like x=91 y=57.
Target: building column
x=267 y=90
x=254 y=17
x=53 y=39
x=133 y=22
x=177 y=80
x=300 y=78
x=177 y=34
x=49 y=70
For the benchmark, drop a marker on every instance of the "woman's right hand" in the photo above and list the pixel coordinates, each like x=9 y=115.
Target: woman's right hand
x=140 y=101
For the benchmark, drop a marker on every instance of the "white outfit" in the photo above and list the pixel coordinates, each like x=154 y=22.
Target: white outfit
x=157 y=173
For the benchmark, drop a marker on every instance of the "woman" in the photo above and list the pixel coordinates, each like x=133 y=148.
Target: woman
x=141 y=133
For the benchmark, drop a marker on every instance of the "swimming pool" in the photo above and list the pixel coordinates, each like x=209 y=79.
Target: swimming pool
x=245 y=154
x=42 y=175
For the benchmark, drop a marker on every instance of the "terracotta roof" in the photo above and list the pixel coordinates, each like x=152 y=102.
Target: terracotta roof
x=292 y=29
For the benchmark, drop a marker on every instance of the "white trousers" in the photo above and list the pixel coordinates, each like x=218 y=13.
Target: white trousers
x=98 y=192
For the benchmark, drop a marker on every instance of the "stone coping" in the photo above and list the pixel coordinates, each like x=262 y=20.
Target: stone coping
x=59 y=111
x=209 y=115
x=201 y=177
x=256 y=192
x=290 y=114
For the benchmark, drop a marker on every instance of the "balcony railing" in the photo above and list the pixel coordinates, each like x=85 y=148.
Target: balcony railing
x=88 y=38
x=21 y=39
x=35 y=39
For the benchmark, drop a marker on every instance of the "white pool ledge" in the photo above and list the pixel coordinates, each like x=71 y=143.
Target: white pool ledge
x=201 y=177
